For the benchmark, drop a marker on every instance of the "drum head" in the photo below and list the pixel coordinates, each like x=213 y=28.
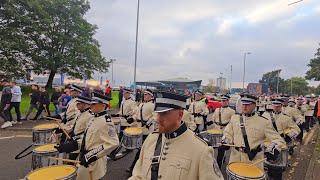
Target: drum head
x=245 y=170
x=214 y=131
x=52 y=172
x=47 y=126
x=133 y=130
x=45 y=148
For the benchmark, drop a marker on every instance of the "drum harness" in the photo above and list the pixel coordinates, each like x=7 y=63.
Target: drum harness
x=220 y=120
x=156 y=159
x=251 y=153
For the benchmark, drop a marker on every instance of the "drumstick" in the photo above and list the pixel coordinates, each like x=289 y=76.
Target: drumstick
x=230 y=145
x=63 y=130
x=90 y=174
x=258 y=162
x=47 y=117
x=65 y=160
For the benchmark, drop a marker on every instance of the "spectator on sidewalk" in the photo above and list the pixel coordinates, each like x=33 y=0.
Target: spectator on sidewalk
x=44 y=103
x=120 y=96
x=64 y=100
x=15 y=102
x=5 y=104
x=108 y=90
x=55 y=99
x=34 y=100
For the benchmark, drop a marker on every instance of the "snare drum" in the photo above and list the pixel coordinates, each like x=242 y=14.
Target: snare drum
x=41 y=154
x=132 y=138
x=214 y=137
x=41 y=134
x=59 y=172
x=116 y=122
x=281 y=163
x=244 y=171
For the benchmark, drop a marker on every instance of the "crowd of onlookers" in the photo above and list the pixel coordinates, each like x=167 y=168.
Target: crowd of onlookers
x=40 y=100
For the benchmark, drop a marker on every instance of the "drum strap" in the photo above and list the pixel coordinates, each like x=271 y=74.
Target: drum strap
x=156 y=159
x=19 y=156
x=273 y=121
x=253 y=153
x=141 y=115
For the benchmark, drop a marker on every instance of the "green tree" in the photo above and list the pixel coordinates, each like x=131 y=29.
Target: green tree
x=51 y=36
x=296 y=86
x=271 y=79
x=314 y=72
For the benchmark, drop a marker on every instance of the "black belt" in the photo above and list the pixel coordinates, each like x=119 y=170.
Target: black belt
x=155 y=161
x=221 y=124
x=198 y=115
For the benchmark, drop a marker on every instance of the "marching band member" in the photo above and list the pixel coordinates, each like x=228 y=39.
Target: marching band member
x=221 y=117
x=146 y=116
x=199 y=111
x=100 y=139
x=294 y=113
x=248 y=131
x=77 y=129
x=127 y=110
x=174 y=152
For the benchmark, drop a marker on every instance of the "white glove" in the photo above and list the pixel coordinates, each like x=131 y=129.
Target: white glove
x=270 y=149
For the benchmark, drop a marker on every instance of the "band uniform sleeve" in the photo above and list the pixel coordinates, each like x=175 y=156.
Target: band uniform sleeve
x=293 y=126
x=110 y=139
x=272 y=135
x=208 y=168
x=228 y=132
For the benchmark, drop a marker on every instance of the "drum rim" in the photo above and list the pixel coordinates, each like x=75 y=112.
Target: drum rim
x=35 y=127
x=41 y=152
x=220 y=133
x=140 y=129
x=72 y=174
x=238 y=176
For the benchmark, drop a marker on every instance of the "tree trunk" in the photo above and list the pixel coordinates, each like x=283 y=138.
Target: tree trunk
x=50 y=79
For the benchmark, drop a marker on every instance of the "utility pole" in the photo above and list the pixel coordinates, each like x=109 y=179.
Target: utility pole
x=136 y=50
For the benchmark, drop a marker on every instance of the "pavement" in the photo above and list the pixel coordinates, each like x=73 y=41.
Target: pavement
x=304 y=164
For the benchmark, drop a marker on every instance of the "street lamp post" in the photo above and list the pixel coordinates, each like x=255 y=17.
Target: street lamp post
x=112 y=61
x=136 y=50
x=244 y=68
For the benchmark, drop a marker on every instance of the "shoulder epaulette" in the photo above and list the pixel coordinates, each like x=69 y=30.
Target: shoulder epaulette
x=155 y=132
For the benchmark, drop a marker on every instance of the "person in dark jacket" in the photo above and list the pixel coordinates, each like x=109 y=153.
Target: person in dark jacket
x=5 y=104
x=34 y=99
x=44 y=102
x=55 y=99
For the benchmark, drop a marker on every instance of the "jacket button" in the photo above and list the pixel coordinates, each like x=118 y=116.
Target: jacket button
x=159 y=177
x=164 y=158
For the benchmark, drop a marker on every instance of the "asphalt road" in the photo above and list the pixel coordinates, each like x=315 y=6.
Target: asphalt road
x=13 y=142
x=11 y=169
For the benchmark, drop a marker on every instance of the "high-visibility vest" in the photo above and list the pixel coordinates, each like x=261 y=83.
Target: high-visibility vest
x=318 y=113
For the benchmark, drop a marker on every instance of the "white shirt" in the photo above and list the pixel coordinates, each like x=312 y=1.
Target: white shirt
x=16 y=94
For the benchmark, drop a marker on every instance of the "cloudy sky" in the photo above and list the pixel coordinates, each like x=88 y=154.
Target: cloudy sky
x=200 y=39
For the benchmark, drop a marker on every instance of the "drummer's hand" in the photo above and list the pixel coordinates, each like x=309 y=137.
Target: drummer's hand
x=130 y=120
x=68 y=146
x=271 y=153
x=86 y=162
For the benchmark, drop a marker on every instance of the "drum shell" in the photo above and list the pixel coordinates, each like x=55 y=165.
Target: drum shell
x=213 y=140
x=282 y=163
x=233 y=176
x=41 y=159
x=72 y=176
x=41 y=137
x=131 y=141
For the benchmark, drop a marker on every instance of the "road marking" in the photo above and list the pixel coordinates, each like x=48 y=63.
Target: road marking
x=7 y=137
x=16 y=136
